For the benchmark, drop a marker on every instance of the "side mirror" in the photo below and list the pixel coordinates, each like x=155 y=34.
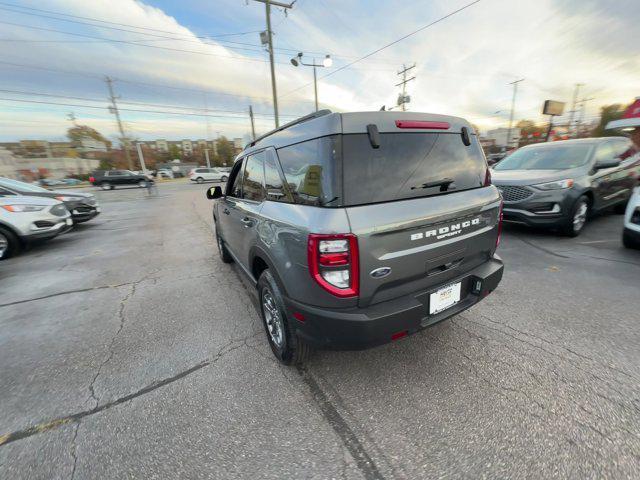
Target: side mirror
x=602 y=164
x=214 y=192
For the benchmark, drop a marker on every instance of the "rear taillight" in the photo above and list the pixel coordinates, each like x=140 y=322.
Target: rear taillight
x=422 y=124
x=333 y=263
x=487 y=177
x=92 y=179
x=499 y=225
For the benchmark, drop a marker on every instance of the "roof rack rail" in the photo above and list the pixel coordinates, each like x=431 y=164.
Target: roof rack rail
x=311 y=116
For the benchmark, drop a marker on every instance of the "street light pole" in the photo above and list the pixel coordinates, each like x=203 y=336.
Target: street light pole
x=327 y=62
x=315 y=83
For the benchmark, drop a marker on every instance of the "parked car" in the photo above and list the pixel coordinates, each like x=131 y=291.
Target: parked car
x=110 y=179
x=83 y=206
x=50 y=182
x=201 y=175
x=165 y=173
x=560 y=184
x=631 y=232
x=71 y=181
x=358 y=229
x=24 y=219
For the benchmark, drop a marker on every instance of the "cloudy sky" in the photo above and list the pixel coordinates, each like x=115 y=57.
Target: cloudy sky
x=185 y=59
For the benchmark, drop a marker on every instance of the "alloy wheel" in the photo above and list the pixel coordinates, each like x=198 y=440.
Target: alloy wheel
x=4 y=245
x=580 y=217
x=272 y=318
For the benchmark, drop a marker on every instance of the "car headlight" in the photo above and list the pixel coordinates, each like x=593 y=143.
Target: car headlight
x=557 y=185
x=65 y=198
x=23 y=208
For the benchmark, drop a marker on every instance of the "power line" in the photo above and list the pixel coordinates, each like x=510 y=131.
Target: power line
x=116 y=23
x=127 y=42
x=131 y=109
x=160 y=105
x=389 y=44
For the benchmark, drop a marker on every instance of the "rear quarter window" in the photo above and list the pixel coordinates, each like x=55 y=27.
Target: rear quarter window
x=312 y=171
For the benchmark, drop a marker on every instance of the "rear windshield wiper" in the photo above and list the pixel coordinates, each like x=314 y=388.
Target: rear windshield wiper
x=443 y=184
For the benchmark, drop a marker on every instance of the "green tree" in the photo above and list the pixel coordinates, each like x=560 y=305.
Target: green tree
x=79 y=132
x=527 y=127
x=607 y=114
x=174 y=152
x=226 y=151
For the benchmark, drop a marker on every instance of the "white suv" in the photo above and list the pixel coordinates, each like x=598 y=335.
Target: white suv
x=631 y=233
x=24 y=218
x=200 y=175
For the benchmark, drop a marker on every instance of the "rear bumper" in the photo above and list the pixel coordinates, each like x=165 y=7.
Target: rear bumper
x=361 y=328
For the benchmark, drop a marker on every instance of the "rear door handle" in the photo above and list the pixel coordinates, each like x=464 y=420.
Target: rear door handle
x=226 y=211
x=247 y=222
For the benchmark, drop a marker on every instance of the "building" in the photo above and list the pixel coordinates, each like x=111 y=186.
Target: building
x=238 y=145
x=8 y=165
x=499 y=136
x=55 y=167
x=161 y=146
x=186 y=146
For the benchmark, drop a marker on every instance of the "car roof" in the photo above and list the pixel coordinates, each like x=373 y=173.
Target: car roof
x=326 y=123
x=576 y=141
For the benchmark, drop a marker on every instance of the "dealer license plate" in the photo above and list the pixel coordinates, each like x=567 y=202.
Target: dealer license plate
x=444 y=298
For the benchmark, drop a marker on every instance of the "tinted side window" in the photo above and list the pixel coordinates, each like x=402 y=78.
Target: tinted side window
x=234 y=187
x=312 y=171
x=254 y=178
x=272 y=181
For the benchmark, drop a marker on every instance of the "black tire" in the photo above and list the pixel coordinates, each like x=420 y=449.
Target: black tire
x=106 y=186
x=573 y=227
x=628 y=240
x=291 y=350
x=199 y=180
x=224 y=178
x=9 y=244
x=224 y=253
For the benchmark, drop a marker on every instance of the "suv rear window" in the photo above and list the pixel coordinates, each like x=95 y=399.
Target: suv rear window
x=344 y=170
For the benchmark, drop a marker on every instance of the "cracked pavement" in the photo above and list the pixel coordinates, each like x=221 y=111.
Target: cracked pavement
x=127 y=349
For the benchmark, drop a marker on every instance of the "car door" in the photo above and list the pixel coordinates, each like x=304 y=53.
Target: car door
x=248 y=209
x=603 y=179
x=228 y=216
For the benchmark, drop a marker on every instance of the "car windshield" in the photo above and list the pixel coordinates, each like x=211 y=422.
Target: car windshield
x=548 y=157
x=23 y=186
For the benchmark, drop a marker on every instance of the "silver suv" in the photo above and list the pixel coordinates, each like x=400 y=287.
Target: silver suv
x=360 y=228
x=24 y=219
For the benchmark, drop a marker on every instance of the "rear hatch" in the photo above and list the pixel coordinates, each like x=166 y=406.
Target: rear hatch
x=427 y=214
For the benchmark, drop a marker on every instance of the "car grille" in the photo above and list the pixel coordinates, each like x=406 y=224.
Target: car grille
x=82 y=209
x=59 y=210
x=512 y=193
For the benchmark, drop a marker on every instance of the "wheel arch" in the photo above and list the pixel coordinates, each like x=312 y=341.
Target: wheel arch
x=259 y=261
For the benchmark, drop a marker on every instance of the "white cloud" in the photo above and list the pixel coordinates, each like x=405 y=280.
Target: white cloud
x=464 y=64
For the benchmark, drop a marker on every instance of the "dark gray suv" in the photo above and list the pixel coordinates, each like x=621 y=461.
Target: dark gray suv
x=560 y=184
x=360 y=228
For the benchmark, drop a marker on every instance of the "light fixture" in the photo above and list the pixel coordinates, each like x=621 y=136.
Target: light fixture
x=327 y=62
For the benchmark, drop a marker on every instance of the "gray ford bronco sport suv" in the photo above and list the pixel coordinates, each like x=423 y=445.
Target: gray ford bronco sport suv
x=360 y=228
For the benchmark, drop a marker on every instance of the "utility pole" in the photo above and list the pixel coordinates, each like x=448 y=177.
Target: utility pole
x=114 y=109
x=206 y=155
x=141 y=158
x=253 y=127
x=267 y=4
x=582 y=108
x=403 y=99
x=573 y=106
x=513 y=106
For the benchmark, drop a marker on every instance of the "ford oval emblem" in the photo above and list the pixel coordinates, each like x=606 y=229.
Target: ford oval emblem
x=380 y=272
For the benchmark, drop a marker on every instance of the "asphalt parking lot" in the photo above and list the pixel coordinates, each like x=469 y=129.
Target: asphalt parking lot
x=129 y=350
